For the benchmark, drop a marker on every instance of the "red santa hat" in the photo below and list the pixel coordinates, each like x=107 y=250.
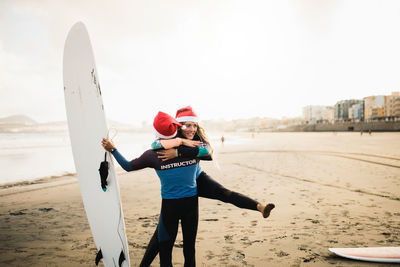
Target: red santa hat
x=165 y=126
x=186 y=114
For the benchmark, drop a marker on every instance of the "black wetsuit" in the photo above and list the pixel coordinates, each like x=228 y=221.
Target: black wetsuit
x=179 y=201
x=207 y=188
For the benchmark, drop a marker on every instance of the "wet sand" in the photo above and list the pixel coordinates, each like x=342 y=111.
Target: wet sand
x=330 y=190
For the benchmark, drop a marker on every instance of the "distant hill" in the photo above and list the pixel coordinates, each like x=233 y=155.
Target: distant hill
x=23 y=123
x=18 y=120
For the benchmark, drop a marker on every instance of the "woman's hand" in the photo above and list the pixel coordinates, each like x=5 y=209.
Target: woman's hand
x=167 y=154
x=107 y=144
x=190 y=143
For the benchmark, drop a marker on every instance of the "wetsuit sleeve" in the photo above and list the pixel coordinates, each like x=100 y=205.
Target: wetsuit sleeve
x=166 y=144
x=144 y=161
x=188 y=152
x=156 y=145
x=147 y=159
x=126 y=165
x=171 y=143
x=203 y=152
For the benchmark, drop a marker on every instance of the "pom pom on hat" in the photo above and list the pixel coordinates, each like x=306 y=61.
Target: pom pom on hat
x=186 y=114
x=165 y=126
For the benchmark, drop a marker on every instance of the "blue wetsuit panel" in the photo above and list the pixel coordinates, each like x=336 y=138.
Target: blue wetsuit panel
x=177 y=176
x=126 y=165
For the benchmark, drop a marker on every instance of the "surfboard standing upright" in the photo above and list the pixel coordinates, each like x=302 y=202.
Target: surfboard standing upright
x=87 y=126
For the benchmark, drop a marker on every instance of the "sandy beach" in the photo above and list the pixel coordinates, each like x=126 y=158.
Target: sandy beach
x=330 y=190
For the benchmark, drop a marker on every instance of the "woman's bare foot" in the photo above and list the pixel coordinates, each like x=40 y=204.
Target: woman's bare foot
x=265 y=210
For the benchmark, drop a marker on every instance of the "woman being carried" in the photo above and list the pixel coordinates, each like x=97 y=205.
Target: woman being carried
x=206 y=186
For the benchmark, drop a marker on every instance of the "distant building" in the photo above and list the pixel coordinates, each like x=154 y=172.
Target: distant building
x=374 y=108
x=329 y=114
x=357 y=112
x=342 y=110
x=392 y=106
x=371 y=108
x=317 y=114
x=351 y=112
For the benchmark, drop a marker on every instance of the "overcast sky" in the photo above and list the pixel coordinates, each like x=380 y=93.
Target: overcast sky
x=228 y=59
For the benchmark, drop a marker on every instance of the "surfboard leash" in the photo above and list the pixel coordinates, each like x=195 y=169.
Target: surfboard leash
x=104 y=165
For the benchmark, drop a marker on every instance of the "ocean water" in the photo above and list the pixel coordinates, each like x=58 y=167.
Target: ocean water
x=31 y=156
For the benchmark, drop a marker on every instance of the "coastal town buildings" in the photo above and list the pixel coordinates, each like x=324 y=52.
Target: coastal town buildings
x=342 y=110
x=356 y=112
x=374 y=108
x=368 y=109
x=329 y=114
x=392 y=106
x=318 y=114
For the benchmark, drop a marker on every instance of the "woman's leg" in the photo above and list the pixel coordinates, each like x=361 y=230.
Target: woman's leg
x=209 y=188
x=153 y=247
x=167 y=230
x=189 y=222
x=151 y=251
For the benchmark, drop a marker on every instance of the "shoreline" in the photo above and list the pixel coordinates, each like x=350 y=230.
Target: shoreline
x=43 y=183
x=34 y=181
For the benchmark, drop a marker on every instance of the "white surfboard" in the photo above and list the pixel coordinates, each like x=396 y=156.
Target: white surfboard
x=87 y=126
x=374 y=254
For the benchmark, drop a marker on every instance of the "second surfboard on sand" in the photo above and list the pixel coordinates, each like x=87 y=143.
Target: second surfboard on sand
x=373 y=254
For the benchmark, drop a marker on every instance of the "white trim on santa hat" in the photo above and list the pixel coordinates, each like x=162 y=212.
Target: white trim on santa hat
x=164 y=136
x=188 y=118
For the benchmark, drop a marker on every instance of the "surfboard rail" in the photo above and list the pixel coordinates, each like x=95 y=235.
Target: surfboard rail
x=372 y=254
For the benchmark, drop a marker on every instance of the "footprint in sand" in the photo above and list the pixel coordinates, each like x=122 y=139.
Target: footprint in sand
x=308 y=259
x=282 y=254
x=228 y=248
x=345 y=213
x=180 y=245
x=239 y=255
x=229 y=239
x=46 y=209
x=304 y=248
x=210 y=255
x=18 y=213
x=136 y=245
x=210 y=220
x=389 y=214
x=314 y=221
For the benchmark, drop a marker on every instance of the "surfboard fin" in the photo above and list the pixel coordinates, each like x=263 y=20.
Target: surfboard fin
x=99 y=256
x=103 y=170
x=121 y=258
